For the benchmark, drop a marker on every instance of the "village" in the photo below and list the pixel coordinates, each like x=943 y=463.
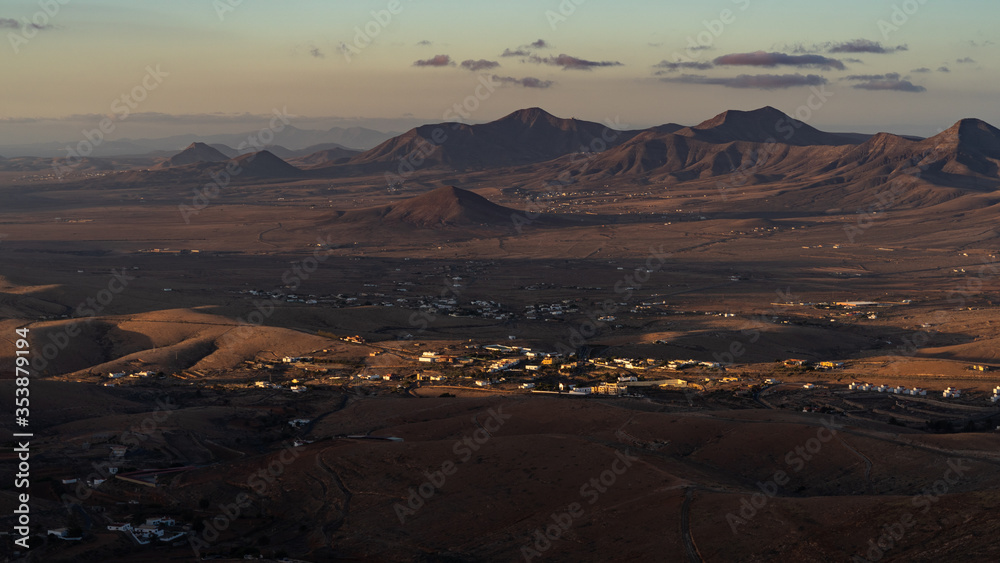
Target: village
x=296 y=384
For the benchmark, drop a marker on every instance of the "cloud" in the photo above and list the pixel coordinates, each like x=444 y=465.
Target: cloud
x=965 y=60
x=686 y=65
x=890 y=84
x=315 y=52
x=981 y=43
x=515 y=53
x=758 y=81
x=865 y=46
x=568 y=62
x=436 y=60
x=943 y=69
x=921 y=69
x=540 y=44
x=868 y=77
x=762 y=58
x=10 y=23
x=526 y=82
x=481 y=64
x=424 y=43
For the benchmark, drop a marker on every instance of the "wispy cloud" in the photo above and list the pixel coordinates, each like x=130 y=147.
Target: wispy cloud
x=668 y=66
x=762 y=58
x=540 y=44
x=886 y=76
x=922 y=69
x=515 y=53
x=865 y=46
x=757 y=81
x=568 y=62
x=965 y=60
x=889 y=81
x=436 y=60
x=424 y=43
x=10 y=23
x=481 y=64
x=315 y=52
x=853 y=46
x=526 y=82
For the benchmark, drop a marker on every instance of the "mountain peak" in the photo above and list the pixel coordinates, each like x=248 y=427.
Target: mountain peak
x=195 y=152
x=971 y=128
x=447 y=206
x=529 y=116
x=762 y=125
x=972 y=139
x=266 y=164
x=761 y=116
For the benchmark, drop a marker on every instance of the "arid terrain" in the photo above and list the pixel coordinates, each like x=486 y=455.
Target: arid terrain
x=530 y=339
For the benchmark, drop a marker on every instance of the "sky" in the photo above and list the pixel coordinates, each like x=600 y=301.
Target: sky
x=212 y=66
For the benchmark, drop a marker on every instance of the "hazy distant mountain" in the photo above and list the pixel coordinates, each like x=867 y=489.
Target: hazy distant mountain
x=290 y=137
x=251 y=166
x=324 y=157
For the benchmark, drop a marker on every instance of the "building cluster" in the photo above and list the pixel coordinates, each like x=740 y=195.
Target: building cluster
x=898 y=390
x=822 y=366
x=439 y=358
x=996 y=395
x=162 y=528
x=951 y=393
x=550 y=310
x=113 y=376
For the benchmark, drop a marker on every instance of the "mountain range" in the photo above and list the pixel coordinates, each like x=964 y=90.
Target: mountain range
x=789 y=163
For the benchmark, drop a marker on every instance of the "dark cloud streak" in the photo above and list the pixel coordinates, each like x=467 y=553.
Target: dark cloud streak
x=762 y=58
x=757 y=81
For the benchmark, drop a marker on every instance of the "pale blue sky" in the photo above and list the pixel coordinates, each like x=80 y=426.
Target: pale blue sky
x=266 y=54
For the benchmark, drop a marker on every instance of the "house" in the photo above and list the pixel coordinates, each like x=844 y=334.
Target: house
x=793 y=363
x=527 y=386
x=808 y=386
x=609 y=389
x=118 y=451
